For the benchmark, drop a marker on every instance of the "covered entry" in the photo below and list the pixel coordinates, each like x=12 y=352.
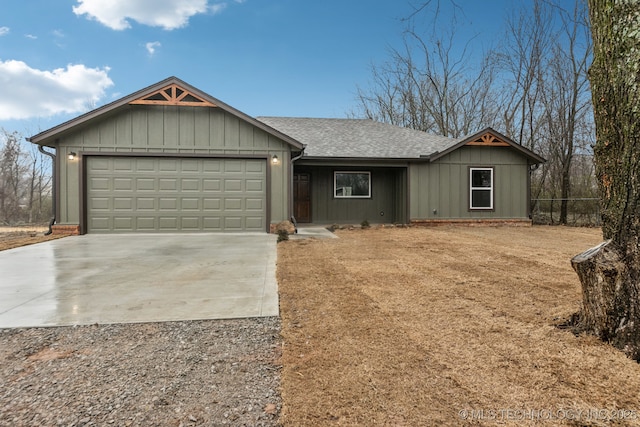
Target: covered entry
x=175 y=194
x=349 y=194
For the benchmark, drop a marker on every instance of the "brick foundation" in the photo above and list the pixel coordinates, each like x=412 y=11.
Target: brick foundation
x=472 y=222
x=72 y=230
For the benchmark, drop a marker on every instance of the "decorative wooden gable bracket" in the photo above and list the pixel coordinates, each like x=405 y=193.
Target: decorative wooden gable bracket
x=489 y=140
x=173 y=95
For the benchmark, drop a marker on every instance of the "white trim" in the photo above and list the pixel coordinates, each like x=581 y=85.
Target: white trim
x=472 y=189
x=346 y=191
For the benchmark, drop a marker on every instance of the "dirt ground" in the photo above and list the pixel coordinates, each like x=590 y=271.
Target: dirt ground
x=13 y=237
x=444 y=326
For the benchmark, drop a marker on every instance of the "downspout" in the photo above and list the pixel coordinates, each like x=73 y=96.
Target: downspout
x=53 y=187
x=293 y=159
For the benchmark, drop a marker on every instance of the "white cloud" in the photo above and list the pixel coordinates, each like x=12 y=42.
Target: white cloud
x=28 y=92
x=115 y=14
x=152 y=46
x=218 y=8
x=3 y=31
x=31 y=36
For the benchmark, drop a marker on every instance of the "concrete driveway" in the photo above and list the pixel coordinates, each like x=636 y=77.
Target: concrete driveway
x=138 y=278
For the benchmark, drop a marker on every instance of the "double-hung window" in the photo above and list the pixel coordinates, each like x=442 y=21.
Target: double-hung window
x=481 y=188
x=351 y=185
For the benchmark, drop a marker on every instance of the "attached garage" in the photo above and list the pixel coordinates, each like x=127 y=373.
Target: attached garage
x=172 y=194
x=169 y=159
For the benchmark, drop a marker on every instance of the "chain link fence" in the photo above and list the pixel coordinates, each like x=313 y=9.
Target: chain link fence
x=583 y=212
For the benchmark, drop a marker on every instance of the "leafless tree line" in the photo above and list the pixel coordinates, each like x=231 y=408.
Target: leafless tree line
x=25 y=181
x=533 y=86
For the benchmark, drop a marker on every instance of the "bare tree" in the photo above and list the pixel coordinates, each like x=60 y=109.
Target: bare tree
x=610 y=272
x=25 y=181
x=543 y=64
x=12 y=170
x=430 y=86
x=527 y=38
x=39 y=186
x=565 y=98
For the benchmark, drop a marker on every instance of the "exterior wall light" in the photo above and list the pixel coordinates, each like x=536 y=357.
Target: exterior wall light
x=72 y=155
x=275 y=160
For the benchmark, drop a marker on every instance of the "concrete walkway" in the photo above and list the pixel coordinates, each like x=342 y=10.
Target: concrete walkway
x=313 y=231
x=138 y=278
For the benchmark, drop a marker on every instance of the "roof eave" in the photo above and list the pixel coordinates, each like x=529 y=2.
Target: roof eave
x=365 y=159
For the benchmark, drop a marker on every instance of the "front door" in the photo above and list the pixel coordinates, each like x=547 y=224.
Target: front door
x=302 y=197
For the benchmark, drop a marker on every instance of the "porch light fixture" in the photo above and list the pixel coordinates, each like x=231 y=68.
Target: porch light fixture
x=72 y=155
x=275 y=160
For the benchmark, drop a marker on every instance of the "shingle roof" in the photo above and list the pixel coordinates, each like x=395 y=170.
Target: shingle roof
x=358 y=138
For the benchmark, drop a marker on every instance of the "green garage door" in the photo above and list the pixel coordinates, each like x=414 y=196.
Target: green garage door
x=148 y=194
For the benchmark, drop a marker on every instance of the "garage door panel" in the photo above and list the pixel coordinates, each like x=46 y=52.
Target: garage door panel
x=168 y=184
x=99 y=184
x=122 y=184
x=122 y=223
x=190 y=184
x=191 y=166
x=255 y=167
x=233 y=223
x=143 y=223
x=100 y=164
x=211 y=184
x=145 y=165
x=231 y=166
x=168 y=204
x=123 y=165
x=212 y=205
x=190 y=223
x=123 y=204
x=168 y=165
x=146 y=203
x=99 y=204
x=253 y=223
x=254 y=185
x=145 y=184
x=168 y=223
x=211 y=223
x=190 y=204
x=212 y=166
x=232 y=204
x=254 y=205
x=175 y=194
x=232 y=185
x=99 y=223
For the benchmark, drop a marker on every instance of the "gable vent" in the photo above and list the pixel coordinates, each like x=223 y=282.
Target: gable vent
x=173 y=95
x=489 y=140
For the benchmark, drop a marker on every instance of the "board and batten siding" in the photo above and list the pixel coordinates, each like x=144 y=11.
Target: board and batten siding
x=387 y=203
x=170 y=130
x=440 y=190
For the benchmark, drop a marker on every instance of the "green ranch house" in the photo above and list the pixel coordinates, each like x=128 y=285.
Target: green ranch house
x=171 y=158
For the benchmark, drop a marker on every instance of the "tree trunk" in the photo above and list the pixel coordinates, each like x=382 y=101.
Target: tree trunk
x=565 y=184
x=610 y=274
x=611 y=306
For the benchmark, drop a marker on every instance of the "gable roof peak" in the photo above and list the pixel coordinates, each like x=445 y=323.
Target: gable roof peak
x=170 y=91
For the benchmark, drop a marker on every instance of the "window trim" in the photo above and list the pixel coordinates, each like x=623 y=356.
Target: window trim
x=335 y=181
x=490 y=189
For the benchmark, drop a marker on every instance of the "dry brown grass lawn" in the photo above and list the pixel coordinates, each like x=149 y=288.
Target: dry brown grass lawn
x=444 y=326
x=14 y=237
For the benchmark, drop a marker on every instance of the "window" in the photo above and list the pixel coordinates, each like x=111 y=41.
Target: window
x=481 y=188
x=352 y=184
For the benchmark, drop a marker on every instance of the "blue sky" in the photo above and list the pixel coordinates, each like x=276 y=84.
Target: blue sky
x=306 y=58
